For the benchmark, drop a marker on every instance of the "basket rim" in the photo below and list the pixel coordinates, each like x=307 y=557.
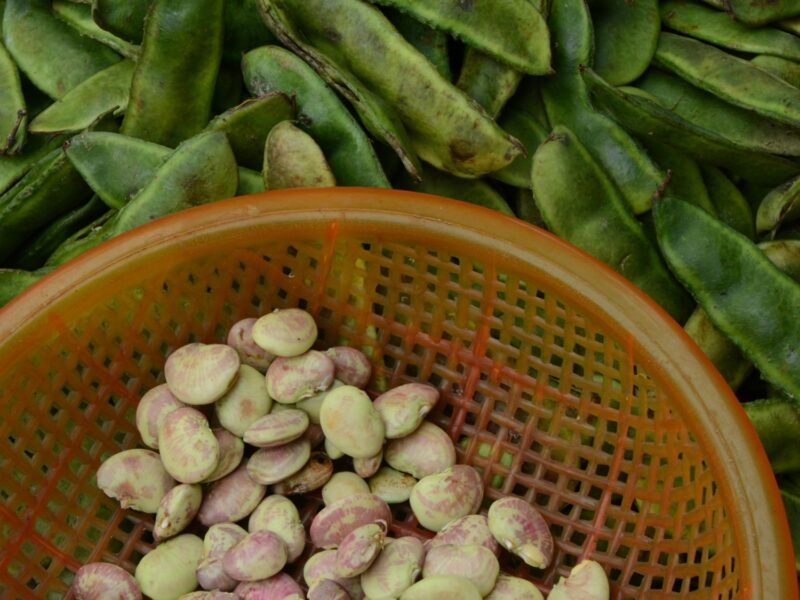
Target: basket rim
x=721 y=424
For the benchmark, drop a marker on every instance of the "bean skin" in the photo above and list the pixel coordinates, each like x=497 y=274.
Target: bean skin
x=567 y=102
x=715 y=27
x=320 y=113
x=13 y=113
x=730 y=78
x=745 y=295
x=580 y=204
x=642 y=114
x=625 y=36
x=447 y=130
x=173 y=85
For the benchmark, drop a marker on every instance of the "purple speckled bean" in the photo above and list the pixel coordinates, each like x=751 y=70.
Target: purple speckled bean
x=470 y=529
x=521 y=529
x=212 y=595
x=276 y=429
x=289 y=380
x=327 y=589
x=315 y=435
x=240 y=338
x=514 y=588
x=474 y=562
x=359 y=549
x=136 y=478
x=367 y=467
x=277 y=587
x=313 y=405
x=288 y=332
x=351 y=422
x=279 y=515
x=218 y=540
x=443 y=497
x=333 y=523
x=271 y=465
x=403 y=408
x=177 y=510
x=395 y=570
x=322 y=565
x=427 y=451
x=231 y=451
x=156 y=404
x=341 y=485
x=393 y=486
x=258 y=555
x=104 y=581
x=442 y=587
x=316 y=473
x=587 y=581
x=231 y=498
x=201 y=373
x=189 y=449
x=169 y=569
x=245 y=403
x=352 y=365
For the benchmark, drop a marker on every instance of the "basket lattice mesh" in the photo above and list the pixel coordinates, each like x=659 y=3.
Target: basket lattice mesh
x=537 y=394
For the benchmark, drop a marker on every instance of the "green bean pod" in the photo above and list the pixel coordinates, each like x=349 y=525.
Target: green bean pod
x=474 y=191
x=320 y=113
x=228 y=89
x=123 y=18
x=625 y=38
x=488 y=81
x=792 y=25
x=79 y=17
x=640 y=113
x=200 y=170
x=117 y=166
x=431 y=43
x=743 y=127
x=528 y=99
x=580 y=204
x=14 y=281
x=14 y=167
x=377 y=116
x=514 y=31
x=525 y=128
x=292 y=159
x=790 y=494
x=777 y=422
x=730 y=78
x=173 y=85
x=730 y=206
x=13 y=113
x=104 y=93
x=84 y=239
x=52 y=54
x=726 y=356
x=567 y=102
x=718 y=28
x=761 y=12
x=244 y=30
x=686 y=180
x=446 y=127
x=248 y=125
x=50 y=189
x=779 y=206
x=745 y=295
x=788 y=70
x=526 y=208
x=34 y=254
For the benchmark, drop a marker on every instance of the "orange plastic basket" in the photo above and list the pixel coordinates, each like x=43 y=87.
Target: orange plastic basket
x=618 y=429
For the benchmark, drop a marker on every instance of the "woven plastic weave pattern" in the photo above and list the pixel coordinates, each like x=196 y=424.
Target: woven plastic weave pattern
x=537 y=393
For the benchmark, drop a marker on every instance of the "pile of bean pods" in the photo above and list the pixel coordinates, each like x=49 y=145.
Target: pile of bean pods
x=275 y=400
x=663 y=138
